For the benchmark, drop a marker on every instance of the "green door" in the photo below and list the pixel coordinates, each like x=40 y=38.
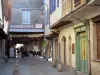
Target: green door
x=81 y=52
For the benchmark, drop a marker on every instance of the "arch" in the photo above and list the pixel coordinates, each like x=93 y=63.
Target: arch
x=56 y=50
x=63 y=38
x=64 y=48
x=69 y=51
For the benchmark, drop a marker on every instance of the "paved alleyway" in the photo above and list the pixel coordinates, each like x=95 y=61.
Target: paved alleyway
x=6 y=68
x=31 y=66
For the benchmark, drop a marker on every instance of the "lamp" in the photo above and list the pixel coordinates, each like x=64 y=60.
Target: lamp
x=42 y=15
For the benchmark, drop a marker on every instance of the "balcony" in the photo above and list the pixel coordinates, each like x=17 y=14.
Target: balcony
x=81 y=9
x=37 y=28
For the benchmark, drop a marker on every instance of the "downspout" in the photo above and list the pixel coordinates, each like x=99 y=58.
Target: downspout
x=89 y=52
x=89 y=32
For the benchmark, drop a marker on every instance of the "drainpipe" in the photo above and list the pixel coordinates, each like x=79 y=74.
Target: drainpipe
x=88 y=29
x=89 y=49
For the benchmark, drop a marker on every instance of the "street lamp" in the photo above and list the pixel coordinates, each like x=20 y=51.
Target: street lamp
x=48 y=12
x=42 y=8
x=41 y=15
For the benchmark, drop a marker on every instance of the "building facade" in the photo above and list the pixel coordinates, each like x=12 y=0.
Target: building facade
x=26 y=26
x=26 y=20
x=5 y=19
x=27 y=15
x=77 y=25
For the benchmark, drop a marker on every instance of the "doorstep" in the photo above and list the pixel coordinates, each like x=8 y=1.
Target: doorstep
x=81 y=73
x=73 y=70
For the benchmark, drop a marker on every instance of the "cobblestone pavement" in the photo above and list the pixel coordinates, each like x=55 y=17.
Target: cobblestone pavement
x=31 y=66
x=6 y=68
x=38 y=66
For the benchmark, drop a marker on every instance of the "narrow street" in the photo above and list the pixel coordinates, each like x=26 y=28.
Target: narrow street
x=31 y=66
x=6 y=68
x=49 y=37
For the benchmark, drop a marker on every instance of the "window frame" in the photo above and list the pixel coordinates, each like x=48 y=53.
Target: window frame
x=26 y=18
x=77 y=2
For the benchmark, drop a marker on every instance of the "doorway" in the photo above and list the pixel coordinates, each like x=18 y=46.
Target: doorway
x=81 y=52
x=69 y=51
x=64 y=47
x=56 y=50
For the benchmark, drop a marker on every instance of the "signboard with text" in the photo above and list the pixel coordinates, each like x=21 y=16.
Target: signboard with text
x=38 y=25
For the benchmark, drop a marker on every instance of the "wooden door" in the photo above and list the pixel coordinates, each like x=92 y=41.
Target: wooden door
x=81 y=52
x=56 y=50
x=64 y=51
x=98 y=41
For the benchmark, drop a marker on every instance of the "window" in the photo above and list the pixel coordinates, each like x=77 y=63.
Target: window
x=57 y=3
x=25 y=17
x=52 y=5
x=98 y=40
x=76 y=2
x=42 y=1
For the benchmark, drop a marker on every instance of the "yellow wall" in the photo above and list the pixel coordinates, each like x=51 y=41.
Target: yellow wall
x=66 y=32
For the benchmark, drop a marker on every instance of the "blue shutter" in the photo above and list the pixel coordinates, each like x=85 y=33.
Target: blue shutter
x=50 y=6
x=25 y=17
x=54 y=5
x=57 y=3
x=28 y=14
x=42 y=1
